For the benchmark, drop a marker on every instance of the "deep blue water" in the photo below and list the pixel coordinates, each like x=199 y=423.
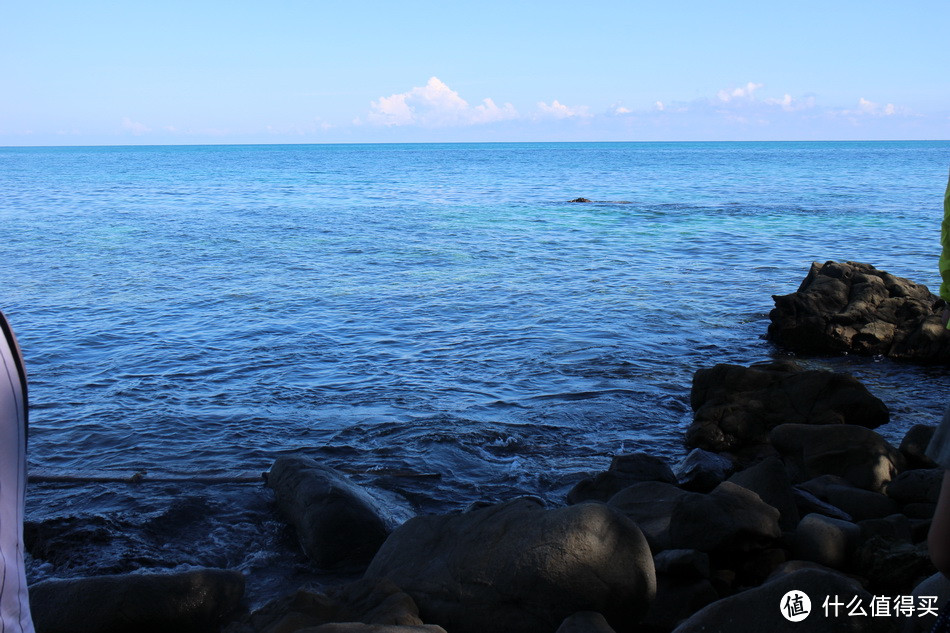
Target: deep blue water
x=436 y=320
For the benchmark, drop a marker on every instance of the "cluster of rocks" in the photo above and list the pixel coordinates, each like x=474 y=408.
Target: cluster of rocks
x=822 y=505
x=853 y=307
x=787 y=488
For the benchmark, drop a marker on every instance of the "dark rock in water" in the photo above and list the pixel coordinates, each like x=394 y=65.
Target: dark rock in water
x=735 y=407
x=519 y=568
x=759 y=609
x=770 y=481
x=580 y=200
x=859 y=455
x=196 y=601
x=650 y=505
x=585 y=622
x=339 y=525
x=853 y=307
x=914 y=446
x=916 y=486
x=374 y=602
x=702 y=470
x=625 y=470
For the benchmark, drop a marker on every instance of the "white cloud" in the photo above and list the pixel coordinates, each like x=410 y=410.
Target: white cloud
x=558 y=110
x=745 y=92
x=435 y=105
x=134 y=126
x=790 y=104
x=869 y=108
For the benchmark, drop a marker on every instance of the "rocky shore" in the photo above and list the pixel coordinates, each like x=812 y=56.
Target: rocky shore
x=787 y=495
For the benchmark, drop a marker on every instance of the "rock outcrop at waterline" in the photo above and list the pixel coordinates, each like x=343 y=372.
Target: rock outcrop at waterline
x=338 y=524
x=736 y=407
x=856 y=308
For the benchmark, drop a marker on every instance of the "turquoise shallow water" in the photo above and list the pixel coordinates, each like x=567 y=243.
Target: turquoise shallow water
x=437 y=320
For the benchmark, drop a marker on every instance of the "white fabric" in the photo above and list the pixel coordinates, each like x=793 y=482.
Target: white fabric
x=14 y=601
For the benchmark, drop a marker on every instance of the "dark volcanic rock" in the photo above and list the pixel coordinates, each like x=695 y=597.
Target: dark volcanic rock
x=191 y=601
x=737 y=406
x=857 y=454
x=650 y=505
x=807 y=503
x=770 y=481
x=371 y=602
x=702 y=470
x=339 y=525
x=519 y=568
x=827 y=541
x=729 y=518
x=757 y=610
x=853 y=307
x=860 y=504
x=891 y=566
x=580 y=200
x=625 y=470
x=916 y=486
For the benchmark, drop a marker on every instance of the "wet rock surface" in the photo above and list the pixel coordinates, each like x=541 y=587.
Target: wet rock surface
x=339 y=525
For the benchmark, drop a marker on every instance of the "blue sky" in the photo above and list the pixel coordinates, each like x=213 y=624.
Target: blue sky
x=205 y=71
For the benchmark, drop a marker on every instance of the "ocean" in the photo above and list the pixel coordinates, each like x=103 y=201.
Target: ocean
x=437 y=321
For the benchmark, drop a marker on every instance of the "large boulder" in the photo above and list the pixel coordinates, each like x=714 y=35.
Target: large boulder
x=853 y=307
x=730 y=518
x=338 y=524
x=198 y=601
x=736 y=407
x=859 y=455
x=760 y=609
x=520 y=568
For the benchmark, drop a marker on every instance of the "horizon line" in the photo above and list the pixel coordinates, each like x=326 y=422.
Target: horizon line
x=355 y=143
